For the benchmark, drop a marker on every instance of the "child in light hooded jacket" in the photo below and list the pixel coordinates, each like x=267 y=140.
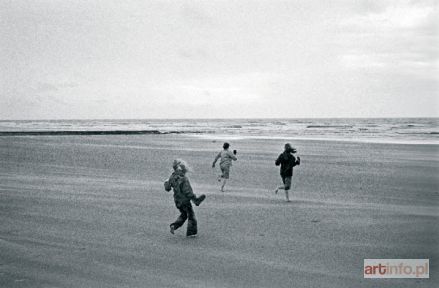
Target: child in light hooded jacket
x=183 y=195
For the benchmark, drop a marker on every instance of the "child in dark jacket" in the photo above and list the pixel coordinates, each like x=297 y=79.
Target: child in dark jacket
x=287 y=161
x=183 y=195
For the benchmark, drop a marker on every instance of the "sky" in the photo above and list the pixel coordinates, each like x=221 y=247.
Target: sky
x=65 y=59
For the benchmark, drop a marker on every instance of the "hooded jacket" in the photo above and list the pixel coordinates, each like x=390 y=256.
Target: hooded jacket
x=287 y=161
x=183 y=193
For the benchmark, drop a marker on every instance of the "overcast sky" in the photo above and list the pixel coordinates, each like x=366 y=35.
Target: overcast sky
x=218 y=59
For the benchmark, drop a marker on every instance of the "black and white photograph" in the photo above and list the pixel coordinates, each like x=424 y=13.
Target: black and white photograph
x=219 y=143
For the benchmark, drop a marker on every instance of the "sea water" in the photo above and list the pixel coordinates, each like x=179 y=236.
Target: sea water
x=380 y=130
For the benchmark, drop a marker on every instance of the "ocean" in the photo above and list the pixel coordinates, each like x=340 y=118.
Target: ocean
x=376 y=130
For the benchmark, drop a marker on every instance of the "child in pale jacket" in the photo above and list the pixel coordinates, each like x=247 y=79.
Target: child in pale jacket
x=225 y=163
x=183 y=195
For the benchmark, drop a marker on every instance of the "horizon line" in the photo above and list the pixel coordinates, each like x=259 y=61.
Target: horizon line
x=231 y=118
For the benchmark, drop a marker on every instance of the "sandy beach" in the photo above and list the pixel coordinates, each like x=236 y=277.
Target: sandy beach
x=91 y=211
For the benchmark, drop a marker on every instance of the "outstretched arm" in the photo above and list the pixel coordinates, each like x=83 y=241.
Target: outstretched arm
x=293 y=162
x=167 y=185
x=277 y=162
x=233 y=156
x=216 y=159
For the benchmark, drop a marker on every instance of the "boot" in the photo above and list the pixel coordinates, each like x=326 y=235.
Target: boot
x=198 y=200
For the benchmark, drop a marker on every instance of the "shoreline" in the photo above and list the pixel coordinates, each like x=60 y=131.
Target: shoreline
x=316 y=139
x=212 y=136
x=90 y=132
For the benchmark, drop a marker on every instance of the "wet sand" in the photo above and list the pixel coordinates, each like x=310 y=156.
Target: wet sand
x=91 y=211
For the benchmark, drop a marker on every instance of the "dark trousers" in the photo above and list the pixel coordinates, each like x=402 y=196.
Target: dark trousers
x=186 y=212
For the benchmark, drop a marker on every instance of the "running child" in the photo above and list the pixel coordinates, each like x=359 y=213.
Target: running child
x=225 y=163
x=183 y=195
x=287 y=161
